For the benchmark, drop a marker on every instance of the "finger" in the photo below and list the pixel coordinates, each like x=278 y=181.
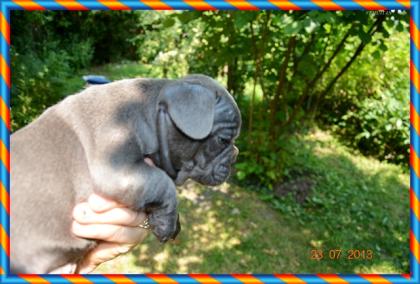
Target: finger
x=100 y=204
x=69 y=268
x=110 y=233
x=100 y=254
x=116 y=216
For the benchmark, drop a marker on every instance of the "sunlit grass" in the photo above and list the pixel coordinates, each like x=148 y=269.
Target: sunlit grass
x=224 y=229
x=115 y=71
x=229 y=229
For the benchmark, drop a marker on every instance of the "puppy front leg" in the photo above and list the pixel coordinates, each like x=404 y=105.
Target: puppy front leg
x=160 y=202
x=146 y=188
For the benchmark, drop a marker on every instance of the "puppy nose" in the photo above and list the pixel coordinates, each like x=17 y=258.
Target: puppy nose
x=235 y=154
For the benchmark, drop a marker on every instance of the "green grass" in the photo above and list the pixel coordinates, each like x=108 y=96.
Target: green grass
x=114 y=72
x=358 y=203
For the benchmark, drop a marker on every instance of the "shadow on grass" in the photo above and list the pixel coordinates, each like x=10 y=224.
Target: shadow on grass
x=224 y=230
x=357 y=203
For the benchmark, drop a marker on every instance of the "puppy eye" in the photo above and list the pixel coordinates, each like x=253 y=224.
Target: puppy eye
x=223 y=141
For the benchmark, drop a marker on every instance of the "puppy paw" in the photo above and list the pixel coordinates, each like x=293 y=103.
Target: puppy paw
x=165 y=228
x=160 y=203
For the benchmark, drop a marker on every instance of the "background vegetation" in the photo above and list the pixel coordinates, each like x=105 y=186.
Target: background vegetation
x=318 y=92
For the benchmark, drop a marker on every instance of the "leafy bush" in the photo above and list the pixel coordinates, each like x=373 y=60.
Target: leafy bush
x=257 y=164
x=80 y=54
x=372 y=114
x=36 y=84
x=39 y=77
x=379 y=126
x=42 y=59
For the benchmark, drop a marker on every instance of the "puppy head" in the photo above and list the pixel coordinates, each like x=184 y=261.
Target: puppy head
x=203 y=122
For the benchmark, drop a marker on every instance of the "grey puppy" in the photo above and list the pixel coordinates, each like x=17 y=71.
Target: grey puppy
x=96 y=141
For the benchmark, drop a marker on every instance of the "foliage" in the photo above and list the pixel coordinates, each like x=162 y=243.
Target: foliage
x=257 y=164
x=48 y=47
x=35 y=83
x=379 y=127
x=372 y=112
x=280 y=52
x=164 y=42
x=109 y=32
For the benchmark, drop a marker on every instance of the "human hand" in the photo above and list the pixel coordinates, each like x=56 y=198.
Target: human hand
x=116 y=227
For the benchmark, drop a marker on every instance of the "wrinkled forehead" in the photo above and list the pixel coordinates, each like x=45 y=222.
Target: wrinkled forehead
x=227 y=114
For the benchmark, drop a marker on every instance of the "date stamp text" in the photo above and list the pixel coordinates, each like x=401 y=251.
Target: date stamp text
x=340 y=254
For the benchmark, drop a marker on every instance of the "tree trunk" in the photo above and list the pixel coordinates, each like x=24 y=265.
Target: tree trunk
x=358 y=51
x=279 y=94
x=259 y=51
x=232 y=84
x=311 y=85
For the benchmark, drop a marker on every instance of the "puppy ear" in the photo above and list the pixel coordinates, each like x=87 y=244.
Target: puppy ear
x=191 y=108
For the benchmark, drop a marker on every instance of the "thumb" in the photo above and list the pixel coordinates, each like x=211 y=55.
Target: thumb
x=102 y=253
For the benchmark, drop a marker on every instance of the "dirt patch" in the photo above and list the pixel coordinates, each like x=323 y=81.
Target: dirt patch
x=301 y=188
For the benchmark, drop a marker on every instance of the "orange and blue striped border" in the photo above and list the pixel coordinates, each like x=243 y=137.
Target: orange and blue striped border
x=413 y=6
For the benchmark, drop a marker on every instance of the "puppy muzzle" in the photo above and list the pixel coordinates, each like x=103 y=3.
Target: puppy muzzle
x=221 y=165
x=212 y=172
